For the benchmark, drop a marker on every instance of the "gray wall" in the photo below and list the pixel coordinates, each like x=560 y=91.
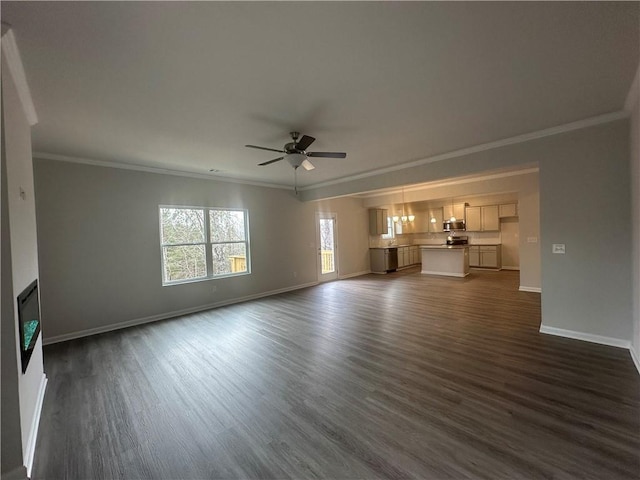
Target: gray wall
x=100 y=252
x=11 y=455
x=22 y=238
x=585 y=203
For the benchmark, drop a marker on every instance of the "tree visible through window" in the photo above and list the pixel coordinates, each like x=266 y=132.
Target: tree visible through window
x=200 y=243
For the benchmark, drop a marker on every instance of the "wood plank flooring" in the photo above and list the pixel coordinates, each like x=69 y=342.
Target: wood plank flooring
x=397 y=376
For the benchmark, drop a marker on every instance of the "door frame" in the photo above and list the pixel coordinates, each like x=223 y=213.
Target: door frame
x=333 y=275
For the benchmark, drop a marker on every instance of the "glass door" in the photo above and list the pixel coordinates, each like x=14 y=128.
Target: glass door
x=326 y=242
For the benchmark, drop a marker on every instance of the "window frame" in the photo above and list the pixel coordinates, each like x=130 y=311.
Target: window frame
x=208 y=244
x=391 y=230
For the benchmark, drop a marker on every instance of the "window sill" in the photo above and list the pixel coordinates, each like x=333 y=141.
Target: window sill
x=203 y=279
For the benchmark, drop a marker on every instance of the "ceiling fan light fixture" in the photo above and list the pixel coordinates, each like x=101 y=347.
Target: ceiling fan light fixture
x=295 y=159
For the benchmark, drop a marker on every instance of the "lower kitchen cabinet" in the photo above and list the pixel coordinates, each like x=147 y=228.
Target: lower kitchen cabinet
x=408 y=256
x=485 y=256
x=383 y=260
x=387 y=259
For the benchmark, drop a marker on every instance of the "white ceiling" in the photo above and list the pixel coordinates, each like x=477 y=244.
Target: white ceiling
x=185 y=85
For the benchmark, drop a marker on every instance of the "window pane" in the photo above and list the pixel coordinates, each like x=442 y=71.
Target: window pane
x=227 y=225
x=184 y=262
x=182 y=225
x=327 y=251
x=229 y=258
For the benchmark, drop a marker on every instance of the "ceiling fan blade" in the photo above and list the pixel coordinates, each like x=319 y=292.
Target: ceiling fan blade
x=270 y=161
x=307 y=165
x=327 y=154
x=265 y=148
x=304 y=142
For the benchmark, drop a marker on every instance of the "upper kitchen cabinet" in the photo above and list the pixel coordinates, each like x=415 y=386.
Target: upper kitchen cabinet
x=377 y=221
x=456 y=210
x=436 y=217
x=482 y=219
x=508 y=210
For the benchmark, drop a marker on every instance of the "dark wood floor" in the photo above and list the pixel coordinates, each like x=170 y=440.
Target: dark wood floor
x=398 y=376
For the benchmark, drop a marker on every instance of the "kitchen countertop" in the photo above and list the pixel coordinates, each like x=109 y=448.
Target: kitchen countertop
x=444 y=246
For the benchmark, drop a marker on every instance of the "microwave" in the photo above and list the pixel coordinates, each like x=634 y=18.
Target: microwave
x=450 y=226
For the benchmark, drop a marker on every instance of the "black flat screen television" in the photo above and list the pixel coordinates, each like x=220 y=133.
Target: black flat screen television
x=28 y=322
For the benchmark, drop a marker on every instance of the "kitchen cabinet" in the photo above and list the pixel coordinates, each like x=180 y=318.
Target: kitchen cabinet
x=408 y=256
x=485 y=256
x=377 y=221
x=414 y=255
x=456 y=210
x=436 y=217
x=508 y=210
x=482 y=219
x=383 y=260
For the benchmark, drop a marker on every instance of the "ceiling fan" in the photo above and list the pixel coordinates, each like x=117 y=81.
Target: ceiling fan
x=295 y=152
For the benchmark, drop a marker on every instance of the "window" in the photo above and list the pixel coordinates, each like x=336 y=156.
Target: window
x=390 y=231
x=202 y=243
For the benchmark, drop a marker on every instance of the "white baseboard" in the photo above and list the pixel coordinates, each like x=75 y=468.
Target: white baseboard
x=443 y=274
x=35 y=423
x=19 y=473
x=164 y=316
x=634 y=357
x=356 y=274
x=587 y=337
x=530 y=289
x=507 y=267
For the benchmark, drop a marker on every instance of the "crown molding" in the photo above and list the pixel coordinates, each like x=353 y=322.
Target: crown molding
x=14 y=64
x=547 y=132
x=158 y=170
x=588 y=122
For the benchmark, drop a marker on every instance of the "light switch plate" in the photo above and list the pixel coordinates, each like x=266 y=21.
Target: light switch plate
x=558 y=248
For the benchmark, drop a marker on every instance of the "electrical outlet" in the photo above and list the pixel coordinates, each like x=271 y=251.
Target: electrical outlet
x=558 y=248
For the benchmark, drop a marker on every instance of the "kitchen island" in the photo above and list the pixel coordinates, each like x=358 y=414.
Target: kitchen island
x=448 y=260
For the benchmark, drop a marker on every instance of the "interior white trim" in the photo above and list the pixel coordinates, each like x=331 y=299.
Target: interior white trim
x=167 y=315
x=35 y=423
x=12 y=54
x=510 y=268
x=530 y=289
x=632 y=96
x=587 y=337
x=18 y=473
x=356 y=274
x=547 y=132
x=444 y=274
x=159 y=170
x=449 y=182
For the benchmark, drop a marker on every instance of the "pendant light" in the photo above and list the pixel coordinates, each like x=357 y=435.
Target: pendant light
x=406 y=217
x=453 y=217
